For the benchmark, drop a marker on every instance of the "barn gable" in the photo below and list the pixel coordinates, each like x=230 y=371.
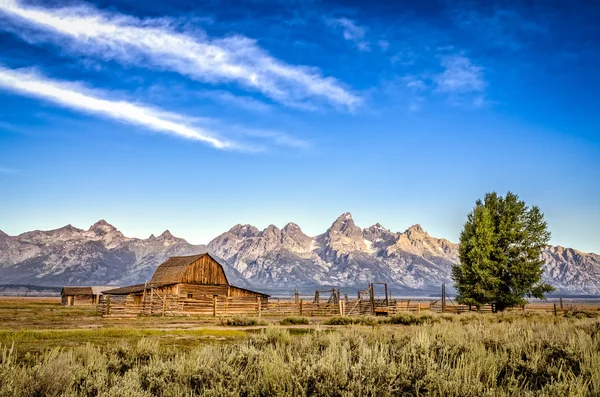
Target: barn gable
x=193 y=269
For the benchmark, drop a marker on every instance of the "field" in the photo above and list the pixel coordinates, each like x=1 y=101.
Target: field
x=49 y=350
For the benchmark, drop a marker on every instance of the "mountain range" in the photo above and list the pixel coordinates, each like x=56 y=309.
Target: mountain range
x=270 y=259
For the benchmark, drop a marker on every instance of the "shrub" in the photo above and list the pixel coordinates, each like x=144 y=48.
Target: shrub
x=243 y=321
x=295 y=321
x=411 y=319
x=363 y=320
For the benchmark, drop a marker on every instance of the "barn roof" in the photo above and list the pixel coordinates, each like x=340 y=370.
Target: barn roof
x=173 y=270
x=85 y=290
x=132 y=289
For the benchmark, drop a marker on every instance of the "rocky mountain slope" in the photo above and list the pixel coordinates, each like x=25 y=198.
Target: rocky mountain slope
x=348 y=255
x=345 y=255
x=97 y=256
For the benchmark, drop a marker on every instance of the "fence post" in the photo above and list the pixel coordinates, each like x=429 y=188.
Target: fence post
x=259 y=305
x=554 y=308
x=561 y=303
x=301 y=301
x=108 y=305
x=443 y=297
x=372 y=296
x=341 y=306
x=144 y=297
x=387 y=299
x=164 y=306
x=214 y=305
x=151 y=299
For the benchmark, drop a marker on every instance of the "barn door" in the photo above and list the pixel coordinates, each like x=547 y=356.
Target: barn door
x=70 y=300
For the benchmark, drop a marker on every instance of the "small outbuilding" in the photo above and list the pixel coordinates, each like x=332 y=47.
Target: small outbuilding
x=81 y=296
x=184 y=285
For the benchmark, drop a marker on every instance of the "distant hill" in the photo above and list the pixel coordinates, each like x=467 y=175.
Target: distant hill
x=272 y=259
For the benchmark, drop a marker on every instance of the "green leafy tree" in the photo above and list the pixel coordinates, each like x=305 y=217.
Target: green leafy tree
x=501 y=253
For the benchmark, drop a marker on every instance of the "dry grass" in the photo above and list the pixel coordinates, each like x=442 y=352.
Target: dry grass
x=472 y=354
x=478 y=356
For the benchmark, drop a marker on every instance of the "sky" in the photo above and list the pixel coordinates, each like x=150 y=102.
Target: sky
x=196 y=116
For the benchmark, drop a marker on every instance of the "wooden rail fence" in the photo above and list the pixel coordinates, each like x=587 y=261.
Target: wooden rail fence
x=218 y=306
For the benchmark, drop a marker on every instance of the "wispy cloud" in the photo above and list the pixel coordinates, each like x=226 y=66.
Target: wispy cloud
x=157 y=43
x=76 y=97
x=384 y=45
x=461 y=80
x=351 y=32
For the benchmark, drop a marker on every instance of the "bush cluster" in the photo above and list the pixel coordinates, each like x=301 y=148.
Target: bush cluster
x=294 y=321
x=242 y=321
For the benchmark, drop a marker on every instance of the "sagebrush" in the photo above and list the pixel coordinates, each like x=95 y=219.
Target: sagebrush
x=539 y=355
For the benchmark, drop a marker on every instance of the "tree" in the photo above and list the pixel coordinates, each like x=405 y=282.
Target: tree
x=501 y=253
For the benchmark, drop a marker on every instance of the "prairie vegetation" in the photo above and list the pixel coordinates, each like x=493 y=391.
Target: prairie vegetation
x=451 y=355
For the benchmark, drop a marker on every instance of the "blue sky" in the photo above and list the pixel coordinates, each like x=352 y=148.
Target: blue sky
x=195 y=116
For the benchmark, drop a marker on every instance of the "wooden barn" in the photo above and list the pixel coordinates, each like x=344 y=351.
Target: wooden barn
x=77 y=296
x=195 y=284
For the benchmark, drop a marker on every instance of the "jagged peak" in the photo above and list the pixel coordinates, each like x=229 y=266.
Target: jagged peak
x=342 y=221
x=271 y=229
x=291 y=226
x=102 y=226
x=377 y=226
x=416 y=228
x=244 y=230
x=2 y=234
x=152 y=237
x=345 y=217
x=166 y=235
x=67 y=228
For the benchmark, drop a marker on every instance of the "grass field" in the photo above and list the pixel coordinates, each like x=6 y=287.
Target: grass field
x=49 y=350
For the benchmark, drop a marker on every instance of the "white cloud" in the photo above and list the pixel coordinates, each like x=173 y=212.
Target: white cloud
x=73 y=96
x=158 y=44
x=460 y=75
x=461 y=80
x=351 y=32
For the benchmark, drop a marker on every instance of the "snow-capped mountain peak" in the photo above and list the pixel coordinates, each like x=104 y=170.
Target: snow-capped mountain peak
x=345 y=255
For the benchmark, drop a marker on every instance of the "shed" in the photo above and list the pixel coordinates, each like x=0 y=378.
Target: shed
x=82 y=295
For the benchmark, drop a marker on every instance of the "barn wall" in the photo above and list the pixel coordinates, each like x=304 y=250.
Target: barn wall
x=204 y=271
x=202 y=291
x=78 y=300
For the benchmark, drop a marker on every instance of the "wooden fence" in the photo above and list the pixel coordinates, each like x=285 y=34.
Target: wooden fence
x=218 y=306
